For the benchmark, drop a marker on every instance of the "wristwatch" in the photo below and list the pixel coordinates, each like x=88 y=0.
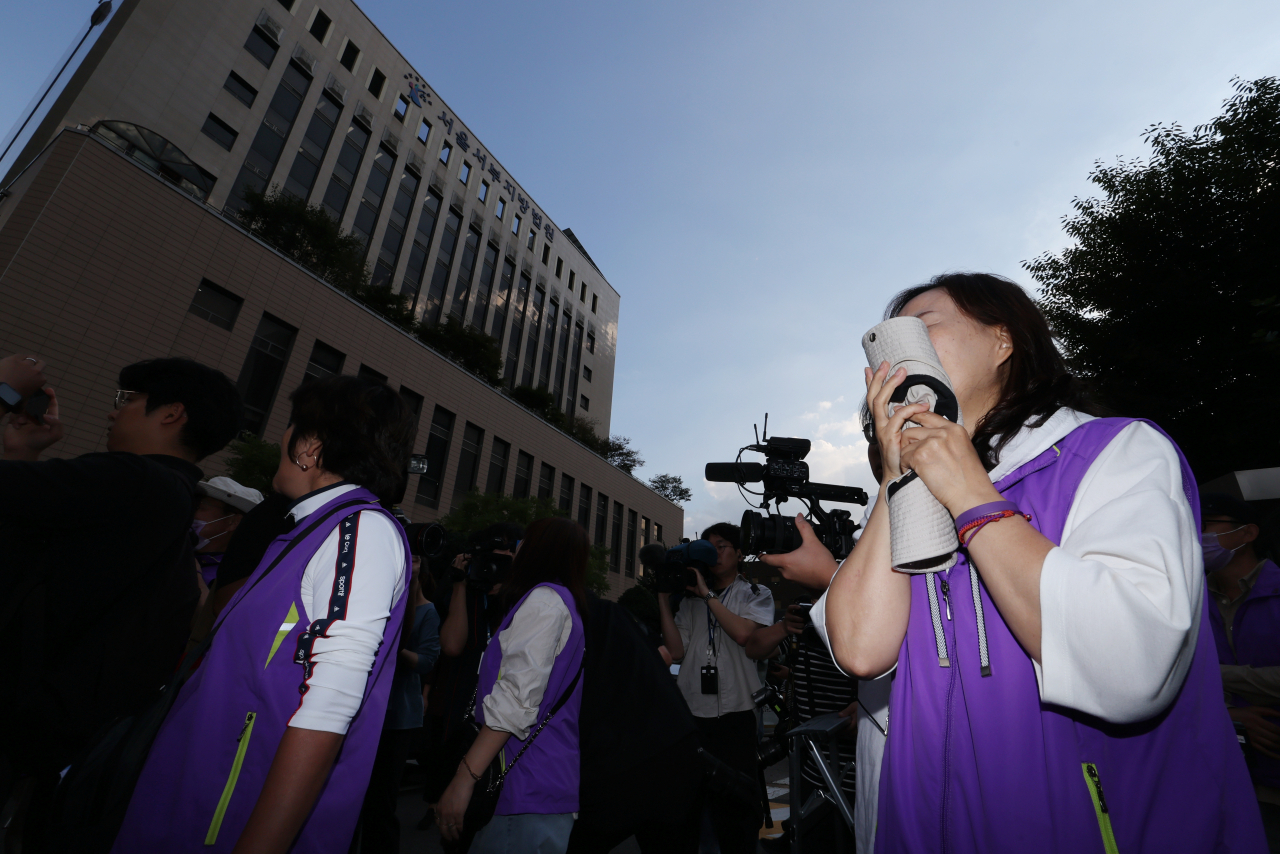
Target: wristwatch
x=10 y=399
x=709 y=596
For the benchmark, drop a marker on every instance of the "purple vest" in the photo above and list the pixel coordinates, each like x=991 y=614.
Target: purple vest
x=979 y=764
x=210 y=759
x=1256 y=629
x=545 y=780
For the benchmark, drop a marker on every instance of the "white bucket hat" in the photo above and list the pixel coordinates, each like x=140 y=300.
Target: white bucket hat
x=230 y=493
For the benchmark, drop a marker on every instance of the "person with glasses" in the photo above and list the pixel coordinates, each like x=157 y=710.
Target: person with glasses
x=1244 y=611
x=98 y=561
x=708 y=636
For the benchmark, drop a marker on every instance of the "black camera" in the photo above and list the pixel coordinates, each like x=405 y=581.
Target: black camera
x=773 y=748
x=673 y=569
x=784 y=474
x=486 y=567
x=426 y=539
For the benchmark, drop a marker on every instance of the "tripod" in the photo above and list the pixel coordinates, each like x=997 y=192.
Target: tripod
x=809 y=739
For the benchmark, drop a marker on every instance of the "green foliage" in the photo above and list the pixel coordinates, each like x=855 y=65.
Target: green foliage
x=308 y=235
x=584 y=430
x=642 y=604
x=541 y=402
x=479 y=510
x=622 y=455
x=671 y=487
x=1165 y=302
x=598 y=572
x=253 y=462
x=466 y=345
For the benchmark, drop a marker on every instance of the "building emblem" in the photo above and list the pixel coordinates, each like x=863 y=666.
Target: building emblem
x=417 y=92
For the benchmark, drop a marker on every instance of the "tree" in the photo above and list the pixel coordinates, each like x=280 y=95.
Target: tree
x=308 y=235
x=252 y=462
x=671 y=487
x=621 y=454
x=1166 y=301
x=466 y=345
x=540 y=401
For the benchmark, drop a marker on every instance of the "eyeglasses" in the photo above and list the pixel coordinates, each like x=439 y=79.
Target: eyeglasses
x=122 y=397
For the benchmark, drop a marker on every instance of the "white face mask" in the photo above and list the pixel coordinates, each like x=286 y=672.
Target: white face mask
x=1216 y=556
x=198 y=525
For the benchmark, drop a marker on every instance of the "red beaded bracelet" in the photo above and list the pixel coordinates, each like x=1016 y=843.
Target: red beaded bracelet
x=972 y=528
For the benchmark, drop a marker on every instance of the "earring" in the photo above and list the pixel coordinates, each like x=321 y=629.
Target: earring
x=300 y=465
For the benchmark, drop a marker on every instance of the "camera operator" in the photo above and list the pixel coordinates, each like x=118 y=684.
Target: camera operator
x=707 y=637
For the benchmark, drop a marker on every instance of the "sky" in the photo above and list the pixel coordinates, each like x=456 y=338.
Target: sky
x=756 y=179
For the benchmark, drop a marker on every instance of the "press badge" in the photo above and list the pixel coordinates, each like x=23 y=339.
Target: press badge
x=710 y=679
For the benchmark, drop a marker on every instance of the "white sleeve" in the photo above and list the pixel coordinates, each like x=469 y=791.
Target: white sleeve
x=537 y=634
x=342 y=655
x=1120 y=598
x=758 y=607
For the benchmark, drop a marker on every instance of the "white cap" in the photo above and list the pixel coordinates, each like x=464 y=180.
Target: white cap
x=230 y=493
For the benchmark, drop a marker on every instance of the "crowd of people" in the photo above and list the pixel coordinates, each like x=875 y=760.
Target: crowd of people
x=194 y=665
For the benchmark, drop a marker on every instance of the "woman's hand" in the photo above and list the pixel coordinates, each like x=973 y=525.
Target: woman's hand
x=811 y=565
x=453 y=804
x=880 y=386
x=942 y=453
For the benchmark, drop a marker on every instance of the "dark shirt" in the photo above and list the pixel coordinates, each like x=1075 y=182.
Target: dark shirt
x=257 y=530
x=97 y=561
x=456 y=677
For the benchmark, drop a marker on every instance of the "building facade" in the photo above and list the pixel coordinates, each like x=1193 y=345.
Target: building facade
x=119 y=241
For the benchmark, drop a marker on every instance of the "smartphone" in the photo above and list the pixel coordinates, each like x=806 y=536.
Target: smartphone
x=35 y=407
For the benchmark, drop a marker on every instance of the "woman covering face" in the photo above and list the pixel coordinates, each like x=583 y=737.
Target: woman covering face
x=1062 y=696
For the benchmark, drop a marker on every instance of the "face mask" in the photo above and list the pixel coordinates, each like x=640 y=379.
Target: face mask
x=197 y=525
x=1216 y=556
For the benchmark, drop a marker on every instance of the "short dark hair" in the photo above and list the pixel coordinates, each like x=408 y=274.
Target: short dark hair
x=365 y=430
x=1242 y=512
x=555 y=549
x=210 y=400
x=728 y=531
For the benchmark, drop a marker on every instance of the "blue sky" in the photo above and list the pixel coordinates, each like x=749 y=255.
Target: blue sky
x=756 y=179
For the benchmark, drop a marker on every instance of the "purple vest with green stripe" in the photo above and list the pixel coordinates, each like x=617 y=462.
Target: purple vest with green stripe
x=210 y=759
x=979 y=764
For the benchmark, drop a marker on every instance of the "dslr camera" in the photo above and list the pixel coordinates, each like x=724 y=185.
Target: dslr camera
x=486 y=567
x=784 y=474
x=673 y=569
x=426 y=539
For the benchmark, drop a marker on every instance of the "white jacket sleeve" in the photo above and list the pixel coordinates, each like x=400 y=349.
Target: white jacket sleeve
x=1120 y=598
x=538 y=633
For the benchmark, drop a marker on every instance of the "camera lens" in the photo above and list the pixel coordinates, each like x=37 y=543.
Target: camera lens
x=426 y=539
x=772 y=534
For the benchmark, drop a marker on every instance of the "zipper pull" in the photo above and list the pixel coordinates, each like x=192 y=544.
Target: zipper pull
x=946 y=595
x=248 y=719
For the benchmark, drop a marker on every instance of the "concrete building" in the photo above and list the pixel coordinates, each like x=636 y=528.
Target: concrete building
x=119 y=241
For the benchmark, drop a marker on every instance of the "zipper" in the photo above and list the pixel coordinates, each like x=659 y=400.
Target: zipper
x=1094 y=782
x=946 y=596
x=246 y=732
x=944 y=824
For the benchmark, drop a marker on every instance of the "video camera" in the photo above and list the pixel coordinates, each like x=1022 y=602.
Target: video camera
x=486 y=567
x=673 y=569
x=426 y=539
x=784 y=474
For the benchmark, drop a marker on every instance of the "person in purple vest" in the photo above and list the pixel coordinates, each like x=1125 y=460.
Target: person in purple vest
x=269 y=746
x=1244 y=589
x=534 y=661
x=1059 y=690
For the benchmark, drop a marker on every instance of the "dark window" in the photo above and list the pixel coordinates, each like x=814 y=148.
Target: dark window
x=320 y=26
x=237 y=86
x=644 y=530
x=584 y=292
x=288 y=4
x=562 y=359
x=584 y=507
x=413 y=403
x=571 y=277
x=376 y=82
x=468 y=462
x=393 y=236
x=445 y=151
x=350 y=54
x=546 y=480
x=263 y=155
x=533 y=238
x=548 y=346
x=484 y=191
x=496 y=482
x=594 y=299
x=466 y=270
x=424 y=131
x=546 y=253
x=219 y=131
x=324 y=362
x=630 y=571
x=524 y=475
x=216 y=305
x=465 y=172
x=615 y=540
x=344 y=171
x=437 y=455
x=422 y=235
x=371 y=374
x=517 y=327
x=571 y=399
x=515 y=224
x=586 y=373
x=484 y=288
x=591 y=342
x=402 y=108
x=311 y=151
x=500 y=301
x=375 y=190
x=584 y=402
x=602 y=517
x=501 y=209
x=444 y=261
x=566 y=493
x=531 y=348
x=262 y=46
x=260 y=377
x=560 y=267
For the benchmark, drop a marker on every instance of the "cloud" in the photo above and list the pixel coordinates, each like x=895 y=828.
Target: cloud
x=847 y=427
x=826 y=404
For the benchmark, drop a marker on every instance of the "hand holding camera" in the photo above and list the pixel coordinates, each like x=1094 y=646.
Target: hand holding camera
x=25 y=374
x=30 y=432
x=811 y=565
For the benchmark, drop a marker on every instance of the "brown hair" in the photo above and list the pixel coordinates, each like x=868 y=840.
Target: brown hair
x=554 y=550
x=1036 y=381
